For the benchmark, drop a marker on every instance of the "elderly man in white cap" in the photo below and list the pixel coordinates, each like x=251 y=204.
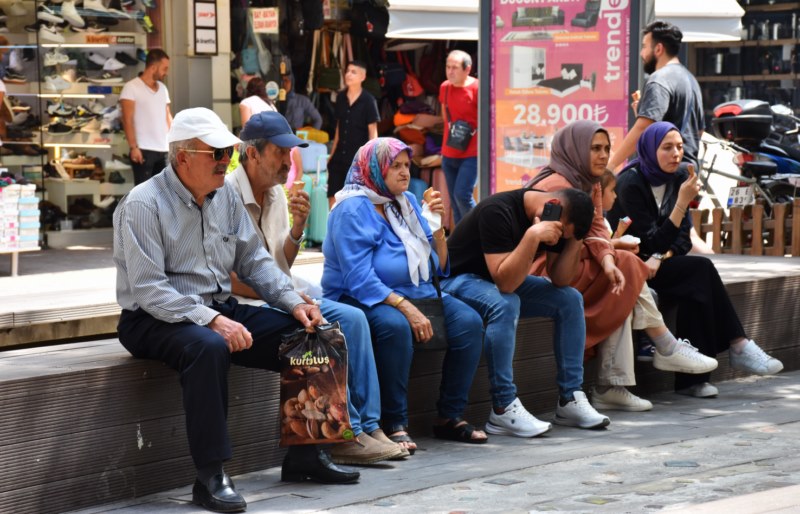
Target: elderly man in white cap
x=177 y=238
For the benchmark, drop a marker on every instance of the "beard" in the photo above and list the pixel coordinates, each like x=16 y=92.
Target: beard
x=650 y=65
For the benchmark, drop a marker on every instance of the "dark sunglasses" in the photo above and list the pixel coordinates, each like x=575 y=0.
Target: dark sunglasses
x=217 y=153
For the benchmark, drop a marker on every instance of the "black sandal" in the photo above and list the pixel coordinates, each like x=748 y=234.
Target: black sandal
x=452 y=431
x=401 y=438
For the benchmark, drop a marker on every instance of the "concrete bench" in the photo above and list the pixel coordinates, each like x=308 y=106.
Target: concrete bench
x=85 y=424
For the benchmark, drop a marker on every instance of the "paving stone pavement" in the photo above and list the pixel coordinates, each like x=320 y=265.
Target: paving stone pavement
x=737 y=453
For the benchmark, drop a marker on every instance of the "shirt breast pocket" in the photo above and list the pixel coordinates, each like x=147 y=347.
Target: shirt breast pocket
x=227 y=250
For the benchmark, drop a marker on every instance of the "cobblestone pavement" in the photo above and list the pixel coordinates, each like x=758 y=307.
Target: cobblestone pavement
x=737 y=453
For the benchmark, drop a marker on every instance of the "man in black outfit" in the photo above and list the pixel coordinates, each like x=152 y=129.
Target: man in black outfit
x=357 y=120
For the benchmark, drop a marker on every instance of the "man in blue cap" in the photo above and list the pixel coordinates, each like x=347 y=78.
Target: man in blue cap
x=177 y=238
x=264 y=165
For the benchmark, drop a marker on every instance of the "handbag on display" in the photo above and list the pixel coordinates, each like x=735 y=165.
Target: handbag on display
x=411 y=86
x=329 y=74
x=459 y=132
x=249 y=52
x=433 y=309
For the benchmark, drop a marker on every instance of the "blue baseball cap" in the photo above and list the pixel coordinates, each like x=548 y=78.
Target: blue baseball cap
x=273 y=127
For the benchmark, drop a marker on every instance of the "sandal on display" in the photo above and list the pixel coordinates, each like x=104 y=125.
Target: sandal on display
x=396 y=437
x=456 y=429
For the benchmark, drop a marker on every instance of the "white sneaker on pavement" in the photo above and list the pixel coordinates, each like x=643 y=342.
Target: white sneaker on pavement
x=754 y=360
x=516 y=421
x=704 y=390
x=579 y=413
x=619 y=398
x=685 y=358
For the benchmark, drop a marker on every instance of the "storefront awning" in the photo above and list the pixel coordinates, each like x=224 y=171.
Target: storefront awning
x=433 y=19
x=707 y=20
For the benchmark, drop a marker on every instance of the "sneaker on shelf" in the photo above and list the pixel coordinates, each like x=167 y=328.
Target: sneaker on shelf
x=70 y=14
x=3 y=27
x=516 y=421
x=15 y=60
x=33 y=27
x=126 y=59
x=3 y=16
x=113 y=64
x=116 y=165
x=91 y=27
x=14 y=78
x=17 y=9
x=98 y=59
x=60 y=109
x=55 y=57
x=51 y=34
x=56 y=83
x=147 y=24
x=59 y=128
x=18 y=105
x=685 y=358
x=579 y=413
x=754 y=360
x=703 y=390
x=619 y=398
x=94 y=5
x=141 y=54
x=116 y=8
x=115 y=177
x=82 y=111
x=44 y=13
x=106 y=78
x=19 y=118
x=95 y=107
x=150 y=4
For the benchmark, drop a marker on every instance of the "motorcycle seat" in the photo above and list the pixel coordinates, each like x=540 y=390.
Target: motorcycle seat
x=758 y=169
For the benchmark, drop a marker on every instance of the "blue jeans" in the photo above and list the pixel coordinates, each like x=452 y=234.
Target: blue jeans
x=536 y=297
x=394 y=350
x=461 y=176
x=363 y=392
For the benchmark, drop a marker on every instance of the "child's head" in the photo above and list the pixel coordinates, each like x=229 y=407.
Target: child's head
x=608 y=181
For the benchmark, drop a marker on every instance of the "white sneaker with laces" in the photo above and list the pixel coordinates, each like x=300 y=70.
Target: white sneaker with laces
x=54 y=58
x=112 y=64
x=56 y=83
x=754 y=360
x=98 y=59
x=44 y=13
x=70 y=13
x=516 y=421
x=685 y=358
x=619 y=398
x=579 y=413
x=704 y=390
x=51 y=34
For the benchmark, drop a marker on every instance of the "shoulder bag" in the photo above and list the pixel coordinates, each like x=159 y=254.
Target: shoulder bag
x=460 y=132
x=433 y=309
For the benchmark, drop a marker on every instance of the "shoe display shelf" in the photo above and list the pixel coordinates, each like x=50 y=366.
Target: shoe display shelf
x=72 y=58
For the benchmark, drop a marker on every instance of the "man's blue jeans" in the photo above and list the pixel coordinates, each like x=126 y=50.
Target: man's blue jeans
x=461 y=175
x=536 y=297
x=363 y=392
x=394 y=351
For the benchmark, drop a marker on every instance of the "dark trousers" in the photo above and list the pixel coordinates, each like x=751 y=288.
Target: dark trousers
x=706 y=316
x=202 y=359
x=153 y=163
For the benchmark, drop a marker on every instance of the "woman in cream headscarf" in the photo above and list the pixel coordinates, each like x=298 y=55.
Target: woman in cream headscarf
x=611 y=278
x=378 y=251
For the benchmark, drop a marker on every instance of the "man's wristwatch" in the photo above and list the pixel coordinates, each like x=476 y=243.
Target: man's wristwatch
x=658 y=256
x=299 y=241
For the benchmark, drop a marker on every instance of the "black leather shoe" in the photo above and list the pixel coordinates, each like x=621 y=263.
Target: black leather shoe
x=310 y=463
x=219 y=496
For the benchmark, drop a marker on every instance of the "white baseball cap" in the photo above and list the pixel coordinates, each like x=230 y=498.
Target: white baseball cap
x=203 y=124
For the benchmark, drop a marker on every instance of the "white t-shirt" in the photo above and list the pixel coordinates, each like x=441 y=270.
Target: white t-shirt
x=256 y=104
x=149 y=114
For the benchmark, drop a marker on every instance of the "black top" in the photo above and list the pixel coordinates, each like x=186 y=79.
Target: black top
x=650 y=223
x=496 y=225
x=353 y=122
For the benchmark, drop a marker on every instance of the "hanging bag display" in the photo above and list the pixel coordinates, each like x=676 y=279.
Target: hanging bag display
x=411 y=86
x=433 y=309
x=329 y=73
x=314 y=387
x=459 y=132
x=250 y=52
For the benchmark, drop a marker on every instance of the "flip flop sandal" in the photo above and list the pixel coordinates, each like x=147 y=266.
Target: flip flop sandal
x=401 y=438
x=461 y=433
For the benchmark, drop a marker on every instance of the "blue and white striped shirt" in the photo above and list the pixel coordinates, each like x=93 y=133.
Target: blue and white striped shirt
x=174 y=257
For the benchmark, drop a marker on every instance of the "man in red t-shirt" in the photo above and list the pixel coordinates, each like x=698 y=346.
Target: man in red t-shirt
x=459 y=98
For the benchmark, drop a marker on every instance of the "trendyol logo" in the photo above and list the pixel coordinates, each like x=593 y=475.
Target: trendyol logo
x=611 y=13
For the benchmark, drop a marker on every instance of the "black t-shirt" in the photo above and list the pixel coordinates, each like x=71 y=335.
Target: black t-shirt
x=496 y=225
x=353 y=122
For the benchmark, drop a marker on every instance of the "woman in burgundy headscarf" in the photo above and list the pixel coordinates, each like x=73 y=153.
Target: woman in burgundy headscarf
x=655 y=193
x=612 y=279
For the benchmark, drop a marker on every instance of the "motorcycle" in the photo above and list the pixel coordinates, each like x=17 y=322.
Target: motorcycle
x=768 y=152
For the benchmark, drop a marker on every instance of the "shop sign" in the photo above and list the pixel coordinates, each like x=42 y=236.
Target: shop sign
x=106 y=39
x=553 y=62
x=265 y=20
x=205 y=27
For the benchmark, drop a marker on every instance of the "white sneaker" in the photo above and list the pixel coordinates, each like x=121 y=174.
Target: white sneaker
x=15 y=60
x=55 y=58
x=619 y=398
x=704 y=390
x=112 y=65
x=92 y=126
x=754 y=360
x=51 y=34
x=685 y=358
x=17 y=9
x=56 y=83
x=116 y=165
x=44 y=13
x=579 y=413
x=516 y=421
x=98 y=59
x=94 y=5
x=70 y=13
